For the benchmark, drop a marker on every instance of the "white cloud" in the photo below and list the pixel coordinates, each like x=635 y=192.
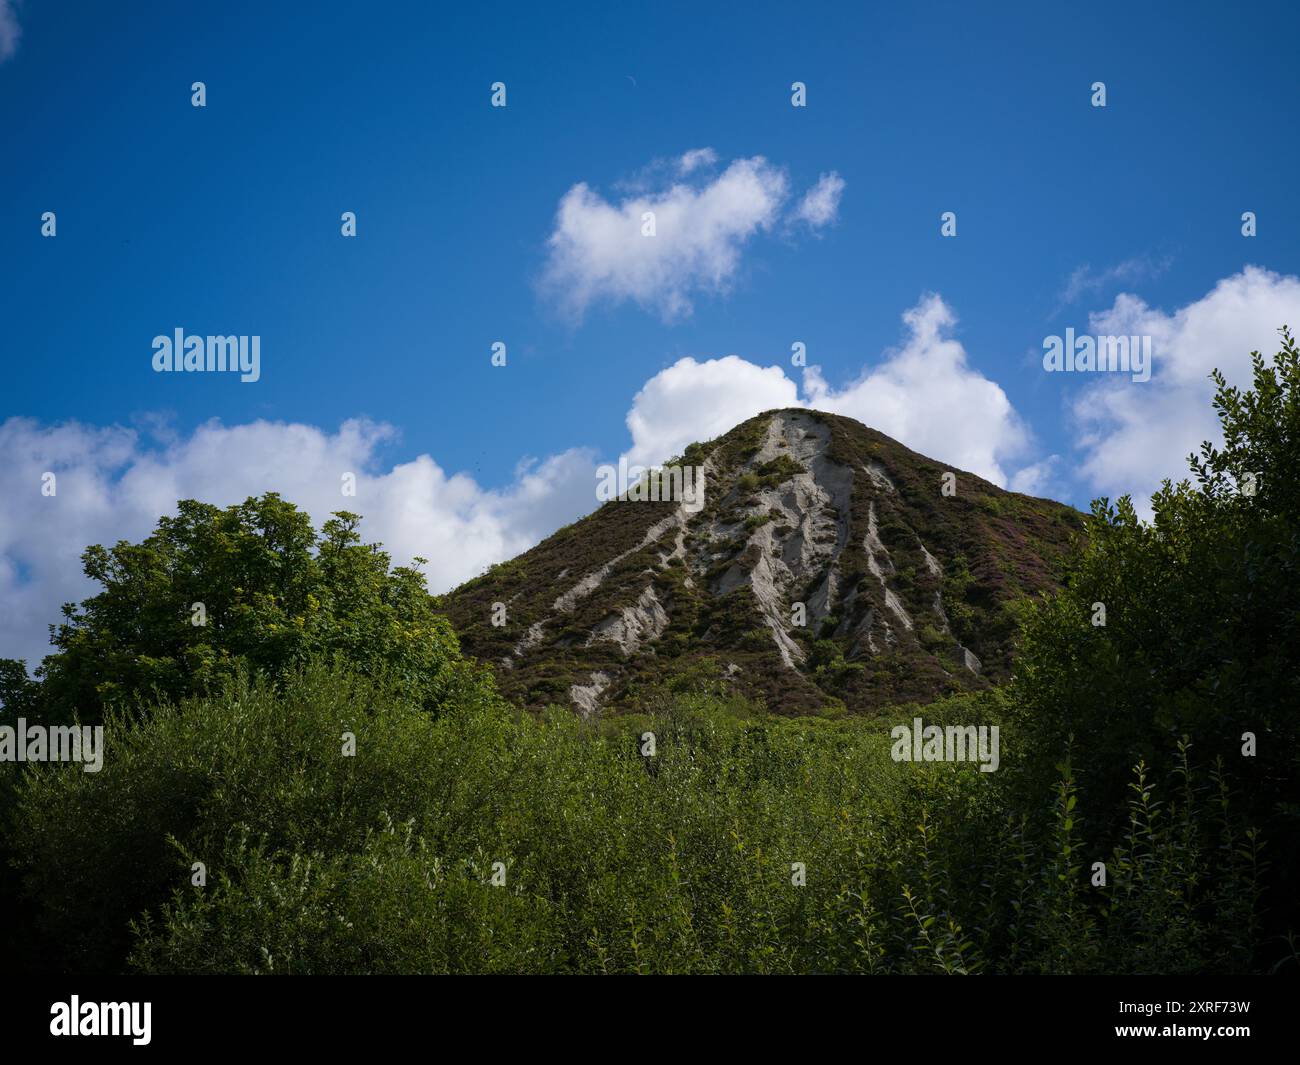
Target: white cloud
x=599 y=250
x=696 y=158
x=10 y=31
x=1134 y=434
x=926 y=395
x=821 y=203
x=1039 y=479
x=114 y=483
x=693 y=401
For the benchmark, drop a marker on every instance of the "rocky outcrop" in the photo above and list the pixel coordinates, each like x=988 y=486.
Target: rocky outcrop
x=813 y=528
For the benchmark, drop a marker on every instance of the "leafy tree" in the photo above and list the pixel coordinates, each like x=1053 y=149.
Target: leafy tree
x=1201 y=634
x=17 y=690
x=213 y=590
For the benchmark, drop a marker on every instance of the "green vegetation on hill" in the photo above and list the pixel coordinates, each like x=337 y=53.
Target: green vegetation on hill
x=960 y=565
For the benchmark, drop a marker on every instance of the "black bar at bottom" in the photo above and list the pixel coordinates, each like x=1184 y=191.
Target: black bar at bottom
x=336 y=1014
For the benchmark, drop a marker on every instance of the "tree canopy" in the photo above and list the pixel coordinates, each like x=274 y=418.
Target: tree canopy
x=1201 y=633
x=215 y=590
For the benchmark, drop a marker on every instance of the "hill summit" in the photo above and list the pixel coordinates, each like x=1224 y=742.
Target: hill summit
x=826 y=568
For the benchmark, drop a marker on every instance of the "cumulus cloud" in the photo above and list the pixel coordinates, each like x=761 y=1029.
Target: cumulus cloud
x=691 y=161
x=928 y=396
x=924 y=394
x=1131 y=434
x=601 y=251
x=821 y=203
x=114 y=483
x=693 y=401
x=10 y=31
x=1039 y=479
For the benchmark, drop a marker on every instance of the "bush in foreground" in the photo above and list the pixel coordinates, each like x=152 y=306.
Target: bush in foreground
x=485 y=841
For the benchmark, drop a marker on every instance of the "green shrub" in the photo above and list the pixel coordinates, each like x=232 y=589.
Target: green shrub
x=213 y=591
x=486 y=841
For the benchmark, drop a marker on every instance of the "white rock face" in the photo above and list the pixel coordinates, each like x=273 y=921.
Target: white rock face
x=878 y=476
x=813 y=506
x=566 y=602
x=876 y=550
x=586 y=697
x=531 y=639
x=791 y=553
x=633 y=625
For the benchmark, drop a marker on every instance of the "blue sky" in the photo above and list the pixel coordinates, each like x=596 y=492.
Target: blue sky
x=225 y=219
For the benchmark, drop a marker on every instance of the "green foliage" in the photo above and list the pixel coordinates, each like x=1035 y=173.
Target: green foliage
x=931 y=637
x=613 y=860
x=1202 y=619
x=273 y=594
x=827 y=663
x=189 y=781
x=957 y=582
x=696 y=454
x=777 y=470
x=18 y=692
